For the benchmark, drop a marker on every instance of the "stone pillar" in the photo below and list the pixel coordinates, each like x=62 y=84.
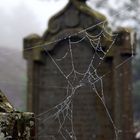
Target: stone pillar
x=123 y=111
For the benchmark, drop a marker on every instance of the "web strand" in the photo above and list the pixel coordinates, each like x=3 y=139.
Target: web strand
x=63 y=112
x=89 y=77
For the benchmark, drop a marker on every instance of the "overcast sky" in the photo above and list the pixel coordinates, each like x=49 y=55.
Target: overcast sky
x=19 y=18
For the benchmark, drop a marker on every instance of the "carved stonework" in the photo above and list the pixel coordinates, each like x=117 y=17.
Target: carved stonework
x=75 y=14
x=91 y=119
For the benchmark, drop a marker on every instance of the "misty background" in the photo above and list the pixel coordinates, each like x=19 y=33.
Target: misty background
x=19 y=18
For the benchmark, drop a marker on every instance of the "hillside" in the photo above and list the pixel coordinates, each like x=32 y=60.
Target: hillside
x=13 y=76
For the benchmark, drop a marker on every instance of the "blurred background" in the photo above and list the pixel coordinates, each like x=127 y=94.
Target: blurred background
x=19 y=18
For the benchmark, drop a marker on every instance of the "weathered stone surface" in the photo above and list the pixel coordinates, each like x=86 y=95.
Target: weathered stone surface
x=15 y=125
x=5 y=106
x=48 y=78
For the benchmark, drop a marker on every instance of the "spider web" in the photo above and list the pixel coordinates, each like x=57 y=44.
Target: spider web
x=63 y=112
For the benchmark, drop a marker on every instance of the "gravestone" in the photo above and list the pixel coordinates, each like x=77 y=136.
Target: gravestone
x=79 y=77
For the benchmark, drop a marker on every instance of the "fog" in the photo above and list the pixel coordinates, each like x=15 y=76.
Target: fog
x=19 y=18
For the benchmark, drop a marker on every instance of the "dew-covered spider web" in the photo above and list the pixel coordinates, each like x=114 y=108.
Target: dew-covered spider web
x=80 y=73
x=77 y=77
